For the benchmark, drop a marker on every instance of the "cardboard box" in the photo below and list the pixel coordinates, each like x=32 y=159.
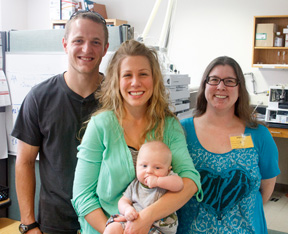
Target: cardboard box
x=101 y=9
x=264 y=36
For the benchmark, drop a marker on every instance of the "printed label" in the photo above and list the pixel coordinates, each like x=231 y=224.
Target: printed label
x=241 y=142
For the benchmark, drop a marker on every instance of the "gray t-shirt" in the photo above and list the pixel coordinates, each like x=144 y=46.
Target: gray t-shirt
x=50 y=117
x=142 y=196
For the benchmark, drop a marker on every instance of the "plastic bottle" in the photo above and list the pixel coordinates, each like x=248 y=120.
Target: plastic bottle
x=285 y=32
x=278 y=57
x=278 y=40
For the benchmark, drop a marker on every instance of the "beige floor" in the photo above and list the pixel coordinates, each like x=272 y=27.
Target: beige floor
x=276 y=212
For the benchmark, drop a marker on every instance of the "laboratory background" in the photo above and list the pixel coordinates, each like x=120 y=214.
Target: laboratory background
x=197 y=32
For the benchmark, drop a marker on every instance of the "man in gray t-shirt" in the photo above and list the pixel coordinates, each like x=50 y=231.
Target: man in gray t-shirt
x=49 y=122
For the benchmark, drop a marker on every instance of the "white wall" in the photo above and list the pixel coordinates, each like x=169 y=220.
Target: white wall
x=13 y=14
x=202 y=30
x=39 y=14
x=1 y=16
x=205 y=31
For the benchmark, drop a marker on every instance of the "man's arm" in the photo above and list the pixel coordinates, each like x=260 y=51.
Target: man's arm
x=267 y=188
x=25 y=182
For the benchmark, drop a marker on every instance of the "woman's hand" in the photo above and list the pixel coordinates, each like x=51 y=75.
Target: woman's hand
x=141 y=225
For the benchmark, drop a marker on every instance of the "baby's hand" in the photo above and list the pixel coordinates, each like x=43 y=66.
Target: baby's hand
x=131 y=214
x=151 y=181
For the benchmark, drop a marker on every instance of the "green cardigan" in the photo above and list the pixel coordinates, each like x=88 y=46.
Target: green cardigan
x=105 y=166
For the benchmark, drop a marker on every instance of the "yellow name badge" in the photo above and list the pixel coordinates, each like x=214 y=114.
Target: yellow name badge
x=241 y=142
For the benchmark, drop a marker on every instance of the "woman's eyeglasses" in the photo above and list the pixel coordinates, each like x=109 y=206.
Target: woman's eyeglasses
x=86 y=11
x=229 y=82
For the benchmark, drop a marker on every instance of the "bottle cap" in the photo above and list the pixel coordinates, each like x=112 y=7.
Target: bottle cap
x=278 y=33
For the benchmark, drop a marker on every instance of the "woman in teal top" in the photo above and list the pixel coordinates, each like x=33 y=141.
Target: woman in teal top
x=235 y=155
x=134 y=109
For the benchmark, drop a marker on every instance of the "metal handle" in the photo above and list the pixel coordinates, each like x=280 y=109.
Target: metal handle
x=276 y=132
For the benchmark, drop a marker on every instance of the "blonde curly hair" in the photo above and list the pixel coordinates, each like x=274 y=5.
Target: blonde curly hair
x=110 y=98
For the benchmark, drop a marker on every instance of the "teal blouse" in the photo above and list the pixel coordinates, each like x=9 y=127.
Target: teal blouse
x=105 y=166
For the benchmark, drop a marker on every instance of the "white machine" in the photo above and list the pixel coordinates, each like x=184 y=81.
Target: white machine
x=177 y=86
x=176 y=83
x=277 y=110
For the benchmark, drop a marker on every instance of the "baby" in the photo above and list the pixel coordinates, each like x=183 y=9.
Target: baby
x=154 y=178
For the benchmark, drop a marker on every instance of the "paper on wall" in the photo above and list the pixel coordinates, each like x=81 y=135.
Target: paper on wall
x=3 y=142
x=4 y=90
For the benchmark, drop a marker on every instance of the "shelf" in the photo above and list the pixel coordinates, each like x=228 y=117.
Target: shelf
x=271 y=66
x=115 y=22
x=5 y=203
x=56 y=24
x=271 y=48
x=267 y=57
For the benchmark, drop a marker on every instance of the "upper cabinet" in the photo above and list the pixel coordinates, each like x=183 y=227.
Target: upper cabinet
x=111 y=22
x=265 y=53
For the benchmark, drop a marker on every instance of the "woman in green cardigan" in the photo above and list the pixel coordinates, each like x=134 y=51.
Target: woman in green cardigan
x=134 y=109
